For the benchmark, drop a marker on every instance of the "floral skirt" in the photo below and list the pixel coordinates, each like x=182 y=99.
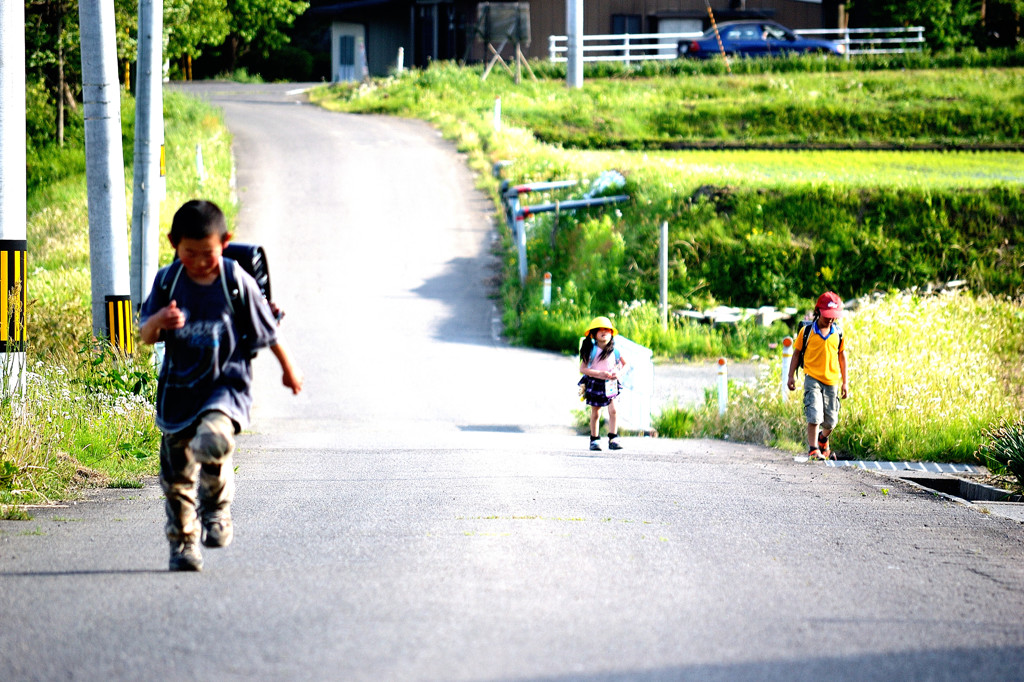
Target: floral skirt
x=599 y=392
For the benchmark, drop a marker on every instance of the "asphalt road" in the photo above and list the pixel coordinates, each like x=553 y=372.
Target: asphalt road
x=423 y=512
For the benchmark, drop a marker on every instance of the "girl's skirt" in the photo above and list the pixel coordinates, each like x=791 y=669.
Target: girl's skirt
x=599 y=392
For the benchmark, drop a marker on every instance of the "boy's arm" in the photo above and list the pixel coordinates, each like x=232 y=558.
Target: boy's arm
x=168 y=317
x=791 y=380
x=291 y=375
x=845 y=389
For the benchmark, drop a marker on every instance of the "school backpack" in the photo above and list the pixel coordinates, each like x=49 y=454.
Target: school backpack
x=805 y=329
x=250 y=257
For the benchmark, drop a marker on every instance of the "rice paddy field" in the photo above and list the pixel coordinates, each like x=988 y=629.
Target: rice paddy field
x=863 y=169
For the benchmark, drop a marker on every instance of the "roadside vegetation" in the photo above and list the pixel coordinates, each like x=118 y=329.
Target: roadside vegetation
x=747 y=228
x=87 y=415
x=751 y=227
x=931 y=377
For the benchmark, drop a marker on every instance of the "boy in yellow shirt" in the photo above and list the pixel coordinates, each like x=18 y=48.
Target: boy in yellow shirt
x=825 y=381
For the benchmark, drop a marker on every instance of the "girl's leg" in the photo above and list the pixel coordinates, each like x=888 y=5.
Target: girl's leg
x=595 y=424
x=613 y=434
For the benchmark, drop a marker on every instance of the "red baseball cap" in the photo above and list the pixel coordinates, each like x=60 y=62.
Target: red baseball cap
x=830 y=304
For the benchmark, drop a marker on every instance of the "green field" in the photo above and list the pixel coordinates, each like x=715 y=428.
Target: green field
x=862 y=169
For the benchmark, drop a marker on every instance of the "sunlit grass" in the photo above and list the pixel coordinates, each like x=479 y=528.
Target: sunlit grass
x=68 y=433
x=928 y=376
x=953 y=169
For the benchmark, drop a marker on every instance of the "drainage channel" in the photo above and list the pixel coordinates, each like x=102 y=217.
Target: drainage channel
x=945 y=479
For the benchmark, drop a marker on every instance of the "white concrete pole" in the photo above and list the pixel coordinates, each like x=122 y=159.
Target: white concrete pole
x=148 y=190
x=574 y=31
x=104 y=171
x=664 y=274
x=546 y=290
x=13 y=184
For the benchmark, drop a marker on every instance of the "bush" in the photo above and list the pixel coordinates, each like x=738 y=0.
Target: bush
x=1003 y=451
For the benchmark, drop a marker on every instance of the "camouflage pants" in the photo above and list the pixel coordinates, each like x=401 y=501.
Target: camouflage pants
x=199 y=454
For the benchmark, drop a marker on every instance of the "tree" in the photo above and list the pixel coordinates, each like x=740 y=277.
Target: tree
x=260 y=25
x=192 y=25
x=949 y=24
x=52 y=58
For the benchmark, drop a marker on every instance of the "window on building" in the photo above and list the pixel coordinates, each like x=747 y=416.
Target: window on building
x=626 y=23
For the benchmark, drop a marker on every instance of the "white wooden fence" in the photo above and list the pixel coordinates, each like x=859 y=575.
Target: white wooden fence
x=636 y=47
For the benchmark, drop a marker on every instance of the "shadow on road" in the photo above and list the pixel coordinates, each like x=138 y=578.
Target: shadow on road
x=469 y=315
x=936 y=664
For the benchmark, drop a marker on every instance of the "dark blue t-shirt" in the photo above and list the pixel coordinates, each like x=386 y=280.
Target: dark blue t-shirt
x=207 y=363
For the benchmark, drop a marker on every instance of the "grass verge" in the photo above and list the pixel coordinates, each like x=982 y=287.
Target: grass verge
x=86 y=418
x=929 y=376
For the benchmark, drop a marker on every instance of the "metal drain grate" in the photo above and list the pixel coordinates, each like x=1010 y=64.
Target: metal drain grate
x=927 y=467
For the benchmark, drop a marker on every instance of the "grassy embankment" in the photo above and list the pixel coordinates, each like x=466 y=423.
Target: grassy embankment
x=753 y=227
x=87 y=418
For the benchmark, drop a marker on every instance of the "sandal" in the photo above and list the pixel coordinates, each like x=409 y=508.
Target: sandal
x=826 y=451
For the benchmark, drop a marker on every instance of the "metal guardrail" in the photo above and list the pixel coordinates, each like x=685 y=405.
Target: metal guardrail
x=635 y=47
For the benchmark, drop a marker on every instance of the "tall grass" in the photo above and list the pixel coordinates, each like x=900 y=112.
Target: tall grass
x=87 y=416
x=929 y=376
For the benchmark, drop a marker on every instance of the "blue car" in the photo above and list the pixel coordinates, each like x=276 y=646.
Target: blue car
x=755 y=39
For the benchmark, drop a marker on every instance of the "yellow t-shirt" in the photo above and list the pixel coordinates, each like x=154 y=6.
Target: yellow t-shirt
x=821 y=360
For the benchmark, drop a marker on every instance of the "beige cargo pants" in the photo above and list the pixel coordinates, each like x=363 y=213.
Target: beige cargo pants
x=199 y=454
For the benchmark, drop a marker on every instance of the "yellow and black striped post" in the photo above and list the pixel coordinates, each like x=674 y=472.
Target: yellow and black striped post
x=13 y=259
x=120 y=323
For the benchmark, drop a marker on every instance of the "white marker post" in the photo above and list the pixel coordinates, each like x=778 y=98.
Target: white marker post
x=787 y=359
x=546 y=292
x=664 y=274
x=723 y=387
x=200 y=167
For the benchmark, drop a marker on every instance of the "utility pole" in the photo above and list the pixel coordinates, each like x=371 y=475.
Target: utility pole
x=148 y=166
x=13 y=188
x=574 y=31
x=104 y=171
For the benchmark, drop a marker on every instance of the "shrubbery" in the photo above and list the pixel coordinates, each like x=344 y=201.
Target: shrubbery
x=928 y=374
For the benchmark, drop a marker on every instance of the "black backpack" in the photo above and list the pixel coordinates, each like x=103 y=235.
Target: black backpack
x=250 y=257
x=805 y=329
